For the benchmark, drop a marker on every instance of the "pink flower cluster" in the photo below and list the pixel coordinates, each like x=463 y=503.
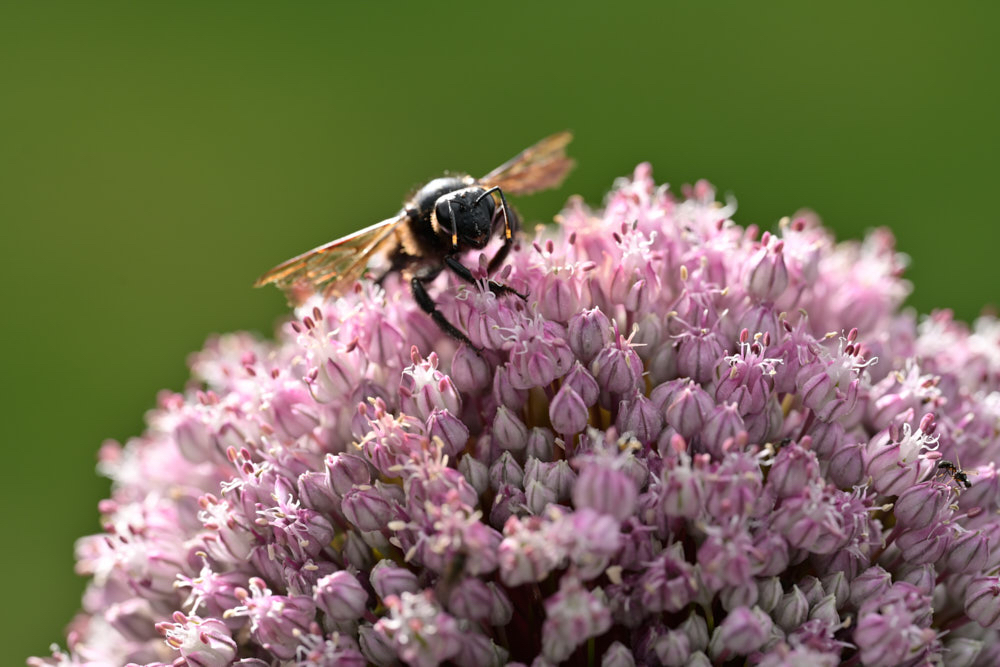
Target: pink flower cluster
x=691 y=444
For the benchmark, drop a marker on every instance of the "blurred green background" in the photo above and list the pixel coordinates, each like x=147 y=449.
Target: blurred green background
x=156 y=157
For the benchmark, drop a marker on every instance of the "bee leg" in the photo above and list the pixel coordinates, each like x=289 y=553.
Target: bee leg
x=465 y=274
x=426 y=303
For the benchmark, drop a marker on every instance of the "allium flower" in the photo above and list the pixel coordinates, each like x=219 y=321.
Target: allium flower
x=690 y=444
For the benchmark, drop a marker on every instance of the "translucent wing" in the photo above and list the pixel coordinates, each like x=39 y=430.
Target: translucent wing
x=332 y=268
x=539 y=167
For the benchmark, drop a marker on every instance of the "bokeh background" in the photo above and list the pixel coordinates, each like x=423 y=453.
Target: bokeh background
x=156 y=157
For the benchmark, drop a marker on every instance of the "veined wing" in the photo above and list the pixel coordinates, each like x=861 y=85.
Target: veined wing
x=333 y=267
x=538 y=167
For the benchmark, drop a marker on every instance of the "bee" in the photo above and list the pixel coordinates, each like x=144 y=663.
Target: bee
x=445 y=218
x=956 y=473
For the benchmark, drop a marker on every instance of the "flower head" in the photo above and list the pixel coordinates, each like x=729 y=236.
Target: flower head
x=688 y=443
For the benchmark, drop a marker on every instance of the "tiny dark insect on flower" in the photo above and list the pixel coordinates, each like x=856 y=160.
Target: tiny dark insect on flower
x=956 y=473
x=445 y=217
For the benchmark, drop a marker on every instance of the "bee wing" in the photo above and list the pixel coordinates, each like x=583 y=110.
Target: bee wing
x=333 y=267
x=538 y=167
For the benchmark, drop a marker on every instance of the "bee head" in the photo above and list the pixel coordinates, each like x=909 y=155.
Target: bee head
x=466 y=215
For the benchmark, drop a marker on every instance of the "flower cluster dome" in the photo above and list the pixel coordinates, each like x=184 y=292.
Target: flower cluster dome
x=691 y=443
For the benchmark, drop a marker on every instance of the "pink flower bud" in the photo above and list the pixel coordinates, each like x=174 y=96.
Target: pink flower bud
x=722 y=426
x=639 y=417
x=698 y=355
x=792 y=610
x=826 y=611
x=509 y=432
x=617 y=655
x=376 y=647
x=793 y=468
x=340 y=596
x=618 y=370
x=583 y=383
x=388 y=579
x=470 y=371
x=368 y=508
x=504 y=392
x=742 y=632
x=689 y=410
x=695 y=627
x=561 y=298
x=572 y=615
x=506 y=471
x=769 y=593
x=606 y=490
x=767 y=276
x=541 y=444
x=837 y=585
x=501 y=608
x=568 y=412
x=344 y=472
x=982 y=601
x=918 y=506
x=475 y=472
x=471 y=598
x=968 y=553
x=925 y=545
x=589 y=331
x=453 y=433
x=847 y=465
x=672 y=648
x=963 y=651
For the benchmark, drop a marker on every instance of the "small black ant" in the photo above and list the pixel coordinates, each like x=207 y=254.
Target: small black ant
x=956 y=473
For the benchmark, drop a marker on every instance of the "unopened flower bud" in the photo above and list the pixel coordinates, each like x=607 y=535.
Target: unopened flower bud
x=792 y=610
x=982 y=601
x=509 y=432
x=506 y=471
x=470 y=598
x=605 y=490
x=639 y=417
x=541 y=444
x=869 y=585
x=962 y=651
x=568 y=412
x=968 y=553
x=583 y=383
x=767 y=276
x=695 y=627
x=792 y=469
x=341 y=596
x=368 y=508
x=672 y=648
x=742 y=632
x=475 y=472
x=469 y=370
x=826 y=610
x=454 y=435
x=389 y=579
x=847 y=465
x=589 y=331
x=617 y=655
x=344 y=472
x=689 y=410
x=768 y=593
x=918 y=506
